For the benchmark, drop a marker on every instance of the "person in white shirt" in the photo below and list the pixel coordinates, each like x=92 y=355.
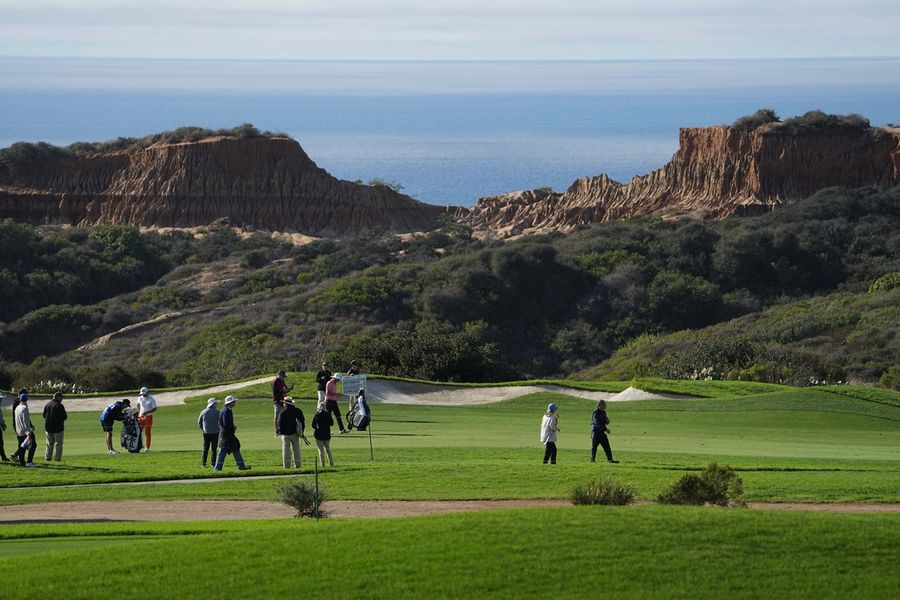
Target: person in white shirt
x=146 y=408
x=549 y=429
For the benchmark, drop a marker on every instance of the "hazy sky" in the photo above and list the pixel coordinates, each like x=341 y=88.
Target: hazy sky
x=449 y=29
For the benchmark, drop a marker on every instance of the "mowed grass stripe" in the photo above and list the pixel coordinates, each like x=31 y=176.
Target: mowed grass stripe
x=627 y=552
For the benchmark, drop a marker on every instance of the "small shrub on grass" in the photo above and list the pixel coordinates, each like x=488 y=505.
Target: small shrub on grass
x=715 y=485
x=302 y=496
x=608 y=491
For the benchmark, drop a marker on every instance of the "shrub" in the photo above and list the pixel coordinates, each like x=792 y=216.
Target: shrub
x=302 y=496
x=608 y=491
x=817 y=119
x=715 y=485
x=104 y=378
x=763 y=116
x=886 y=282
x=891 y=378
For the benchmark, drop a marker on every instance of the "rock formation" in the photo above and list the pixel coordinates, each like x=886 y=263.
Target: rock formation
x=265 y=182
x=717 y=172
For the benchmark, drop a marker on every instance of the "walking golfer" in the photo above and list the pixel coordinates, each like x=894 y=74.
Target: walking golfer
x=54 y=423
x=549 y=429
x=228 y=440
x=209 y=427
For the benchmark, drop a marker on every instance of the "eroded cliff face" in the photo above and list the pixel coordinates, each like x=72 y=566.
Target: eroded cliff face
x=266 y=183
x=717 y=172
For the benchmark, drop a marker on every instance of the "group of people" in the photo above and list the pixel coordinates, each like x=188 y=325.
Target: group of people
x=120 y=409
x=26 y=443
x=219 y=431
x=599 y=431
x=289 y=422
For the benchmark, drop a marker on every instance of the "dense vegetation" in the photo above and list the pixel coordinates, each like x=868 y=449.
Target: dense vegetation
x=810 y=120
x=22 y=154
x=447 y=306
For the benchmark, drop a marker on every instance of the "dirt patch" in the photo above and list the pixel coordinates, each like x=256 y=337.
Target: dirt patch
x=214 y=510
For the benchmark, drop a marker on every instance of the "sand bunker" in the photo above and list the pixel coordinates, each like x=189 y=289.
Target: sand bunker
x=381 y=391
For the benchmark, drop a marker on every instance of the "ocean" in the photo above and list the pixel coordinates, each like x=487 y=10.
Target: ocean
x=448 y=132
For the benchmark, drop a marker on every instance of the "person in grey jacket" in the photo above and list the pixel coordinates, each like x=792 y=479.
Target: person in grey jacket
x=24 y=431
x=209 y=427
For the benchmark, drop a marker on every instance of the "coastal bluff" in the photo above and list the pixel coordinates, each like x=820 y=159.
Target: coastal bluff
x=263 y=182
x=716 y=172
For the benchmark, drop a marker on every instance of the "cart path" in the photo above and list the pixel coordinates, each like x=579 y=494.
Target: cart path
x=214 y=510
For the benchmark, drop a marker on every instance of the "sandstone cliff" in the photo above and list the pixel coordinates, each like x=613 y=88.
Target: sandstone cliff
x=717 y=172
x=267 y=183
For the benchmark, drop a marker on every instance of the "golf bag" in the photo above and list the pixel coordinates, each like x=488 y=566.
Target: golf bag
x=359 y=415
x=131 y=432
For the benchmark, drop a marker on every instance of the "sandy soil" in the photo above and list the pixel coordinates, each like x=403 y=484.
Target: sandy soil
x=212 y=510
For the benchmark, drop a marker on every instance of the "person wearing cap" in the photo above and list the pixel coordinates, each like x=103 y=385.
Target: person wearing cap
x=291 y=426
x=599 y=429
x=549 y=429
x=280 y=389
x=54 y=423
x=321 y=425
x=3 y=455
x=146 y=408
x=209 y=427
x=108 y=417
x=228 y=440
x=24 y=432
x=331 y=401
x=322 y=378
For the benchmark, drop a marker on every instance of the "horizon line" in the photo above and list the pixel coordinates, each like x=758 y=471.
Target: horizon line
x=455 y=60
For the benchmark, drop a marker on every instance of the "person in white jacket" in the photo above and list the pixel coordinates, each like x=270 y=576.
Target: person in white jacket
x=549 y=429
x=24 y=432
x=146 y=408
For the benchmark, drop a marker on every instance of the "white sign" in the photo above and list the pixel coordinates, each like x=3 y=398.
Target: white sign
x=351 y=384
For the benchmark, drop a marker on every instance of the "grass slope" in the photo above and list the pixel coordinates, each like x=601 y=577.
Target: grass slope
x=574 y=552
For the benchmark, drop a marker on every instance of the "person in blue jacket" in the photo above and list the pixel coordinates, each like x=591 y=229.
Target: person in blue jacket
x=228 y=441
x=109 y=416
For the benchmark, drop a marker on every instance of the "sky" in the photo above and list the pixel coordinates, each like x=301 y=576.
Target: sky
x=449 y=29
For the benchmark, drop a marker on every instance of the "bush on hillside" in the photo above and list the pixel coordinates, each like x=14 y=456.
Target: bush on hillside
x=886 y=282
x=607 y=491
x=763 y=116
x=302 y=496
x=891 y=378
x=817 y=119
x=715 y=485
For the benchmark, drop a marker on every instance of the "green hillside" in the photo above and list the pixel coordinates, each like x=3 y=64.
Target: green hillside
x=184 y=308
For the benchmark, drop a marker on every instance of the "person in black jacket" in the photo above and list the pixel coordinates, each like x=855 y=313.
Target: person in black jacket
x=321 y=424
x=2 y=429
x=228 y=441
x=291 y=424
x=54 y=423
x=599 y=429
x=322 y=378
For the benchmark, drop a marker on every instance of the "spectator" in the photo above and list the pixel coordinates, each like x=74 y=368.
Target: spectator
x=322 y=378
x=109 y=416
x=331 y=402
x=599 y=429
x=549 y=429
x=2 y=429
x=209 y=427
x=24 y=431
x=146 y=408
x=291 y=426
x=228 y=440
x=54 y=423
x=321 y=424
x=280 y=389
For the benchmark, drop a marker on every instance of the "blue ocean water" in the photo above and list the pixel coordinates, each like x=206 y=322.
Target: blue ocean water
x=449 y=132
